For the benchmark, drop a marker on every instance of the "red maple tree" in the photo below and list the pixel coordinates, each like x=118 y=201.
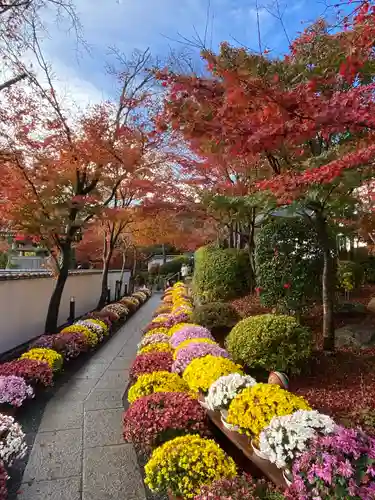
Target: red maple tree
x=300 y=128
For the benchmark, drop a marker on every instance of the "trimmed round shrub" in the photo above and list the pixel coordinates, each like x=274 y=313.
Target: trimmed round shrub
x=216 y=315
x=152 y=420
x=288 y=261
x=221 y=274
x=271 y=342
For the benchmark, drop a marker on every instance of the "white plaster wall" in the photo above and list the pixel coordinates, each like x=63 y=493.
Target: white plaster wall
x=24 y=303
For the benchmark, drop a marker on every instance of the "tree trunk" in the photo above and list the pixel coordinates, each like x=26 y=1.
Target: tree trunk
x=54 y=303
x=328 y=285
x=164 y=254
x=103 y=294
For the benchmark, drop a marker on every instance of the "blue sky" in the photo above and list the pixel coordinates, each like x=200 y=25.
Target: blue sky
x=130 y=24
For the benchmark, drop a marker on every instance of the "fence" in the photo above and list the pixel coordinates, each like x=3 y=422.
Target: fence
x=24 y=299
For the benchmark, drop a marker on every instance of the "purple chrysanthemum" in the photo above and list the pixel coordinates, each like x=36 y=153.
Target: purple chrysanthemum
x=196 y=350
x=341 y=459
x=14 y=390
x=189 y=332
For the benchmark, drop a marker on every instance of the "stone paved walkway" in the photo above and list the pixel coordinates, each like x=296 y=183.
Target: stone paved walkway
x=79 y=453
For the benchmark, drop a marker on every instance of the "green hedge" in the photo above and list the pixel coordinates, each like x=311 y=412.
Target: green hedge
x=288 y=262
x=221 y=274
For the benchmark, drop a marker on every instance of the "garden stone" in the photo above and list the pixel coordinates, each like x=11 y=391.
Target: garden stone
x=357 y=335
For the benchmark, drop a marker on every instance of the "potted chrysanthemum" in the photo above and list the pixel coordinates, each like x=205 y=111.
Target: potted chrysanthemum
x=288 y=436
x=340 y=465
x=181 y=466
x=224 y=390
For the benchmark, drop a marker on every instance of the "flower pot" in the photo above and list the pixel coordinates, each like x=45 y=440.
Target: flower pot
x=203 y=404
x=288 y=478
x=257 y=451
x=280 y=379
x=230 y=427
x=202 y=401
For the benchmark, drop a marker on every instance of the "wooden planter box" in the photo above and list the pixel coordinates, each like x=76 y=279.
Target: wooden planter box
x=243 y=443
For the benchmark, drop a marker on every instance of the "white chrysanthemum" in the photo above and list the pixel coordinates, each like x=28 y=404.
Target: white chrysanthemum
x=288 y=436
x=226 y=388
x=12 y=440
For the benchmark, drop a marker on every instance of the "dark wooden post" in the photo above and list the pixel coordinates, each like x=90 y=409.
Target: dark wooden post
x=72 y=309
x=108 y=295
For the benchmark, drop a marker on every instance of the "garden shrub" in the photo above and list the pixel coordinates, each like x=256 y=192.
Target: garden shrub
x=368 y=267
x=216 y=315
x=349 y=275
x=288 y=262
x=270 y=342
x=174 y=266
x=221 y=274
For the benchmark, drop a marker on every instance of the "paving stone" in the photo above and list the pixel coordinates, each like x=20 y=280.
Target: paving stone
x=58 y=489
x=92 y=370
x=60 y=415
x=103 y=427
x=100 y=399
x=128 y=352
x=112 y=473
x=76 y=389
x=113 y=379
x=121 y=363
x=55 y=455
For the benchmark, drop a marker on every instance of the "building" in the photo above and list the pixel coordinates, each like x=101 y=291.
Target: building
x=25 y=252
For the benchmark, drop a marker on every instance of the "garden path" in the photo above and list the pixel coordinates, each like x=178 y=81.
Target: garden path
x=78 y=452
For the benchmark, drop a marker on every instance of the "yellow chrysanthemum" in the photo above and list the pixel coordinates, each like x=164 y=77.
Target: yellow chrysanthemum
x=102 y=324
x=53 y=358
x=184 y=464
x=91 y=337
x=157 y=347
x=253 y=409
x=202 y=372
x=156 y=330
x=156 y=382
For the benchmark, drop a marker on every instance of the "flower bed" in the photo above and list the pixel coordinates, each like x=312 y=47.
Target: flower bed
x=282 y=427
x=37 y=367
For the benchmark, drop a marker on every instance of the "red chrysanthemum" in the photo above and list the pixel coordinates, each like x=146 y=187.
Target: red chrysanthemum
x=152 y=362
x=154 y=419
